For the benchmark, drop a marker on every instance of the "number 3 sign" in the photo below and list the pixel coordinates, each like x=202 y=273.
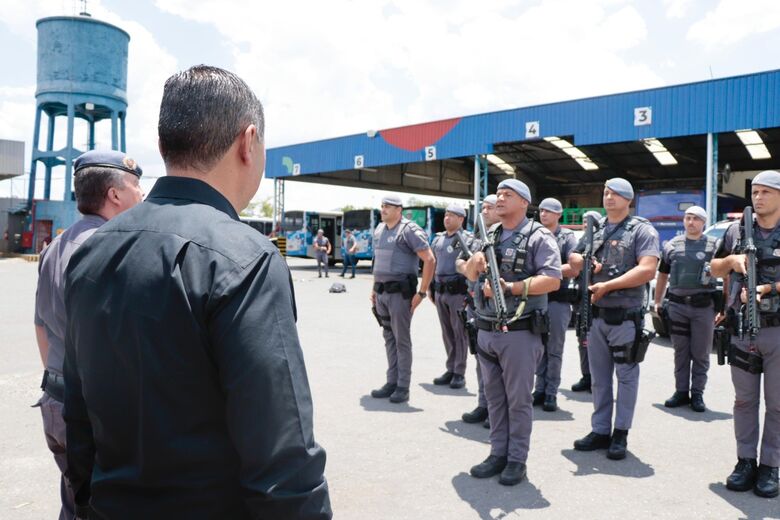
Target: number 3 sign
x=643 y=116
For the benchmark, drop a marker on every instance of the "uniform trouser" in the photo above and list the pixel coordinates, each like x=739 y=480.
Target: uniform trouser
x=692 y=351
x=747 y=389
x=349 y=260
x=398 y=340
x=602 y=366
x=548 y=371
x=584 y=362
x=322 y=260
x=508 y=387
x=453 y=332
x=54 y=429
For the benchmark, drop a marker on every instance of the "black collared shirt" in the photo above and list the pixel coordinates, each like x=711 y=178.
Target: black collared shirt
x=186 y=391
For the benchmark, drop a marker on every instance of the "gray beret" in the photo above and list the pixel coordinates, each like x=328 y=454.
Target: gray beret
x=595 y=214
x=621 y=186
x=768 y=178
x=551 y=204
x=490 y=199
x=517 y=186
x=107 y=159
x=393 y=200
x=697 y=211
x=457 y=210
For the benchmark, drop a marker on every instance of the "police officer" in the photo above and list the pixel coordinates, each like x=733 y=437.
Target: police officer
x=480 y=413
x=399 y=245
x=322 y=250
x=685 y=265
x=448 y=291
x=583 y=385
x=626 y=253
x=749 y=361
x=530 y=267
x=106 y=183
x=548 y=372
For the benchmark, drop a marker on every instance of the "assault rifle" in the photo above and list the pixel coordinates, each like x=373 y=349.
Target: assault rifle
x=584 y=316
x=462 y=244
x=748 y=321
x=493 y=275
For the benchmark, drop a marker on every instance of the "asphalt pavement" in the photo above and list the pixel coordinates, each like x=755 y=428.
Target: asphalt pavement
x=411 y=461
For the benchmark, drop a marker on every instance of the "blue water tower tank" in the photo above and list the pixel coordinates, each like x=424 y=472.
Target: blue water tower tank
x=82 y=73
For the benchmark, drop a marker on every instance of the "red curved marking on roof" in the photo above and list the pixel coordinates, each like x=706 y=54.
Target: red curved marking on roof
x=416 y=137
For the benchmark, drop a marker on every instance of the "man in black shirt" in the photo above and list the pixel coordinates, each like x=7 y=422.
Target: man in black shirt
x=186 y=394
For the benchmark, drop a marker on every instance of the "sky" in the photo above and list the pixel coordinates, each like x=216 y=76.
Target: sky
x=324 y=69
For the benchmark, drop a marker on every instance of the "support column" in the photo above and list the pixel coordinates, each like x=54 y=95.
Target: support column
x=114 y=131
x=123 y=140
x=69 y=151
x=477 y=190
x=49 y=148
x=91 y=137
x=278 y=213
x=711 y=179
x=34 y=165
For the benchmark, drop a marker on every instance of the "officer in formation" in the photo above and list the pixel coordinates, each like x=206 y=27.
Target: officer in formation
x=399 y=245
x=448 y=292
x=106 y=183
x=750 y=359
x=548 y=372
x=626 y=253
x=530 y=267
x=685 y=266
x=322 y=250
x=583 y=385
x=480 y=413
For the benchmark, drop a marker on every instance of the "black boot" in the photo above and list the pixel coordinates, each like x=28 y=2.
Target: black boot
x=400 y=395
x=493 y=465
x=697 y=402
x=678 y=399
x=486 y=424
x=618 y=445
x=478 y=414
x=458 y=381
x=592 y=441
x=744 y=475
x=513 y=473
x=443 y=379
x=550 y=403
x=582 y=385
x=384 y=392
x=766 y=484
x=538 y=398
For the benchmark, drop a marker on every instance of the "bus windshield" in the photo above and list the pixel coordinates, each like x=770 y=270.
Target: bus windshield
x=293 y=221
x=357 y=219
x=667 y=205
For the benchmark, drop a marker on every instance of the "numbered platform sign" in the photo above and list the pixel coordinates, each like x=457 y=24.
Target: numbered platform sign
x=643 y=116
x=532 y=129
x=430 y=153
x=296 y=168
x=359 y=162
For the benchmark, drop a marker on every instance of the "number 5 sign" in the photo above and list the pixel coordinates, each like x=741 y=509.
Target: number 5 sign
x=430 y=153
x=643 y=116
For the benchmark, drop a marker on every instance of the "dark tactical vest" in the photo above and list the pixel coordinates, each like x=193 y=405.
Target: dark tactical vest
x=393 y=258
x=688 y=260
x=617 y=254
x=446 y=251
x=512 y=256
x=767 y=264
x=561 y=239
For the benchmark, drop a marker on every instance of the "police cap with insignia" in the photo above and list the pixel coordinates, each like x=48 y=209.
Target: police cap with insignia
x=517 y=186
x=107 y=159
x=551 y=204
x=769 y=178
x=698 y=212
x=392 y=200
x=621 y=186
x=490 y=199
x=456 y=210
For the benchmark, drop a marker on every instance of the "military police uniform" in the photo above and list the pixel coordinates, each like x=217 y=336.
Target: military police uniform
x=321 y=255
x=449 y=290
x=395 y=283
x=615 y=339
x=509 y=359
x=750 y=362
x=692 y=297
x=548 y=372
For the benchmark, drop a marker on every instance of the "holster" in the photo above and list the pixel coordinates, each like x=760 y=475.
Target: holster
x=383 y=321
x=471 y=330
x=718 y=301
x=540 y=325
x=635 y=351
x=409 y=286
x=722 y=342
x=750 y=362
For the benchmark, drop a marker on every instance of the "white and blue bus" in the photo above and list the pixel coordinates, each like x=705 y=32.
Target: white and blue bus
x=300 y=228
x=264 y=225
x=430 y=218
x=362 y=223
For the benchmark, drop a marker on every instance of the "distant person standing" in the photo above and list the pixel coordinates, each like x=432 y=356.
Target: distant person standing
x=322 y=250
x=348 y=248
x=106 y=183
x=399 y=245
x=449 y=292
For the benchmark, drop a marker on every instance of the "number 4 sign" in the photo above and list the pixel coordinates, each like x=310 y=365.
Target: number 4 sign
x=643 y=116
x=532 y=129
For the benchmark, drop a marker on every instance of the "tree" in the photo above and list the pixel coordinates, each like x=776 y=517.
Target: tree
x=259 y=208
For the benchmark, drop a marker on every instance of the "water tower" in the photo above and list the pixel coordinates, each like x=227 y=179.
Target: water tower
x=82 y=73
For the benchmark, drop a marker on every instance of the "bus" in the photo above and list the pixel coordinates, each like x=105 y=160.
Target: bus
x=263 y=224
x=430 y=218
x=300 y=228
x=362 y=223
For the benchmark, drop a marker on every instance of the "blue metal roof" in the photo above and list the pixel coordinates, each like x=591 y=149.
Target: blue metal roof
x=719 y=105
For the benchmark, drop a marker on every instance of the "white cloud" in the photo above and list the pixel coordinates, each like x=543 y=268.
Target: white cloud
x=677 y=8
x=735 y=20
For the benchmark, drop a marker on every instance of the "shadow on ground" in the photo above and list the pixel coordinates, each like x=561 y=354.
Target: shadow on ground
x=370 y=404
x=597 y=463
x=752 y=507
x=445 y=390
x=492 y=500
x=472 y=432
x=558 y=415
x=580 y=397
x=686 y=413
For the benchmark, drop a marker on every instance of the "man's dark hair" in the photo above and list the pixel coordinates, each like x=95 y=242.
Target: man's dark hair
x=203 y=110
x=91 y=185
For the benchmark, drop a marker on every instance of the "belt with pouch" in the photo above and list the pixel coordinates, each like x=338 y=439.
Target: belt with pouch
x=456 y=286
x=617 y=315
x=694 y=300
x=524 y=324
x=54 y=386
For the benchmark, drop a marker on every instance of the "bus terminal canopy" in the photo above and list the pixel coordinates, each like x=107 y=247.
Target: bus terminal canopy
x=657 y=138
